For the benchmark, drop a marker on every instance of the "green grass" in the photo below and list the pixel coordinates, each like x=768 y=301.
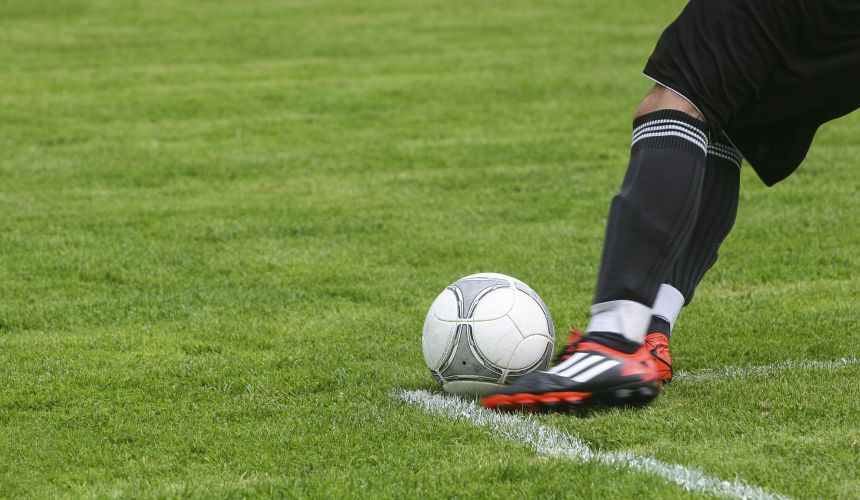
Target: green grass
x=222 y=225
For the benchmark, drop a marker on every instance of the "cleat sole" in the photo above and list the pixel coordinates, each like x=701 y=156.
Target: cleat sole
x=537 y=403
x=631 y=396
x=562 y=402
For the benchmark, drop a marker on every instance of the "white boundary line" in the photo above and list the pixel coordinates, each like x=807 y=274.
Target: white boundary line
x=751 y=371
x=555 y=443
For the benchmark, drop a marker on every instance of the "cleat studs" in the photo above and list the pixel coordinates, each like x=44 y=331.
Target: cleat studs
x=622 y=393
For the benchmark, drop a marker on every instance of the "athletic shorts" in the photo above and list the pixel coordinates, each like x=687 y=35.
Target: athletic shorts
x=767 y=73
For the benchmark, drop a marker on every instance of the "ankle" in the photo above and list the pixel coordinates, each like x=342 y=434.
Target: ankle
x=614 y=341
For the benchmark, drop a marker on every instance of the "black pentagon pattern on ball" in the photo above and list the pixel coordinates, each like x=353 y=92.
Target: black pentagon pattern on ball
x=465 y=363
x=468 y=291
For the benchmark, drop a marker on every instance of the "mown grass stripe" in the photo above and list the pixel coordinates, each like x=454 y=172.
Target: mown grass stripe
x=555 y=443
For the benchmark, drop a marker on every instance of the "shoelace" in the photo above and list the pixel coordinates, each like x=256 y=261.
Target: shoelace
x=656 y=350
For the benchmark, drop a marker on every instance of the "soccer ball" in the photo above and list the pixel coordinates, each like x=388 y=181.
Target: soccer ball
x=484 y=331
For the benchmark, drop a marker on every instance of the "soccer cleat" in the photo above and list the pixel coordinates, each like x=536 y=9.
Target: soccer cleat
x=573 y=339
x=658 y=345
x=599 y=370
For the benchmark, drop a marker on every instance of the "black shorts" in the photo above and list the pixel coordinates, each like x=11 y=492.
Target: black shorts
x=767 y=73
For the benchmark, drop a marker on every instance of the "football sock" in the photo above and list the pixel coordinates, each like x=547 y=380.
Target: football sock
x=660 y=325
x=716 y=217
x=650 y=220
x=667 y=307
x=622 y=317
x=612 y=340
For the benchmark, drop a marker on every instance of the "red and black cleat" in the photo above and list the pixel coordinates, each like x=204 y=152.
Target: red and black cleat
x=658 y=345
x=573 y=339
x=598 y=370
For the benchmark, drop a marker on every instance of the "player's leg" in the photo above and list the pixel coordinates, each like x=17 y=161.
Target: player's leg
x=722 y=56
x=660 y=99
x=650 y=221
x=652 y=216
x=716 y=217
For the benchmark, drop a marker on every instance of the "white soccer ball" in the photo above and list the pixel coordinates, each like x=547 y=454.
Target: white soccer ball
x=484 y=331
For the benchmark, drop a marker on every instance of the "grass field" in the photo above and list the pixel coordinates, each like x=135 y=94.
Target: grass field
x=223 y=222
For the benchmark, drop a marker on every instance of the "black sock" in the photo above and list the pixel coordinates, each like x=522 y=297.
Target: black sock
x=613 y=341
x=660 y=325
x=652 y=216
x=716 y=217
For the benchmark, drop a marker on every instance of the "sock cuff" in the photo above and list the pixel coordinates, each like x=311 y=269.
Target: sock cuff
x=723 y=151
x=670 y=128
x=624 y=317
x=668 y=304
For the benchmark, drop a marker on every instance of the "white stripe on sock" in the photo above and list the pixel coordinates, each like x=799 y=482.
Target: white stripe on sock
x=701 y=145
x=693 y=129
x=736 y=162
x=726 y=149
x=663 y=128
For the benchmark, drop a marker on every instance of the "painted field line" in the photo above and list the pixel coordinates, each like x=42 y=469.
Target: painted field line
x=751 y=371
x=550 y=441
